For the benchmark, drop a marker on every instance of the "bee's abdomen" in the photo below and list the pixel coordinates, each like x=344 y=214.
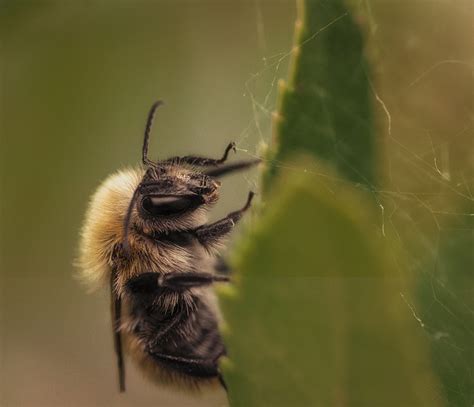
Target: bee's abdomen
x=185 y=340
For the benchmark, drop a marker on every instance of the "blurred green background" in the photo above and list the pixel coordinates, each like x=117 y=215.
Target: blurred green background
x=77 y=79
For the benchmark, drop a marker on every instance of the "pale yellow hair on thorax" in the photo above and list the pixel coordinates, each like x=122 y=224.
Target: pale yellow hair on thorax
x=103 y=225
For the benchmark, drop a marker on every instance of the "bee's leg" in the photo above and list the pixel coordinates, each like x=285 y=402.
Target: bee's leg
x=222 y=267
x=116 y=322
x=202 y=161
x=222 y=382
x=148 y=283
x=211 y=235
x=232 y=167
x=182 y=281
x=201 y=368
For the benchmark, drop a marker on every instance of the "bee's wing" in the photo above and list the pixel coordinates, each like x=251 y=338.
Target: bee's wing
x=116 y=307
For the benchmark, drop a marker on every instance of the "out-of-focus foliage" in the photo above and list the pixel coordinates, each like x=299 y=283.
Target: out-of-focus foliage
x=325 y=107
x=324 y=312
x=317 y=318
x=446 y=309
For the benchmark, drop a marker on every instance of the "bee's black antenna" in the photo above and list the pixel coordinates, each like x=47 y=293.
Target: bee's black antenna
x=126 y=221
x=149 y=124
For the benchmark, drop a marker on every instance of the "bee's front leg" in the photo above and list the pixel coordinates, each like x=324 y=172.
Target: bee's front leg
x=202 y=161
x=148 y=283
x=211 y=235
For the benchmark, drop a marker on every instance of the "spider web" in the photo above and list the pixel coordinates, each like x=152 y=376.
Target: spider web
x=425 y=190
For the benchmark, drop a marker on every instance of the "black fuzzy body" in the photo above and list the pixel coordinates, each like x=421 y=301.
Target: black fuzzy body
x=182 y=337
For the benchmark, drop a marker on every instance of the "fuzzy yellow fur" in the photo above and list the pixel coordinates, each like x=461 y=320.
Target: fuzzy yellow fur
x=104 y=228
x=103 y=225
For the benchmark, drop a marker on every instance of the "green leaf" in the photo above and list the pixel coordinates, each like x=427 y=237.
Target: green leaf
x=446 y=298
x=325 y=109
x=318 y=316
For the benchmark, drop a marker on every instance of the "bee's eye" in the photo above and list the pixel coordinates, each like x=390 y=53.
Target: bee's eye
x=167 y=205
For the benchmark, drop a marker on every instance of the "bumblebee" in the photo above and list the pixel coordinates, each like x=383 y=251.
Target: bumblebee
x=145 y=234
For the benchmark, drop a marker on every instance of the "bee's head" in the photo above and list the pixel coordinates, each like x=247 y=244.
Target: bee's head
x=169 y=197
x=172 y=197
x=170 y=192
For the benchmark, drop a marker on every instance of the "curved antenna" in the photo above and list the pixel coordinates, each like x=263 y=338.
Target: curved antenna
x=149 y=124
x=126 y=222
